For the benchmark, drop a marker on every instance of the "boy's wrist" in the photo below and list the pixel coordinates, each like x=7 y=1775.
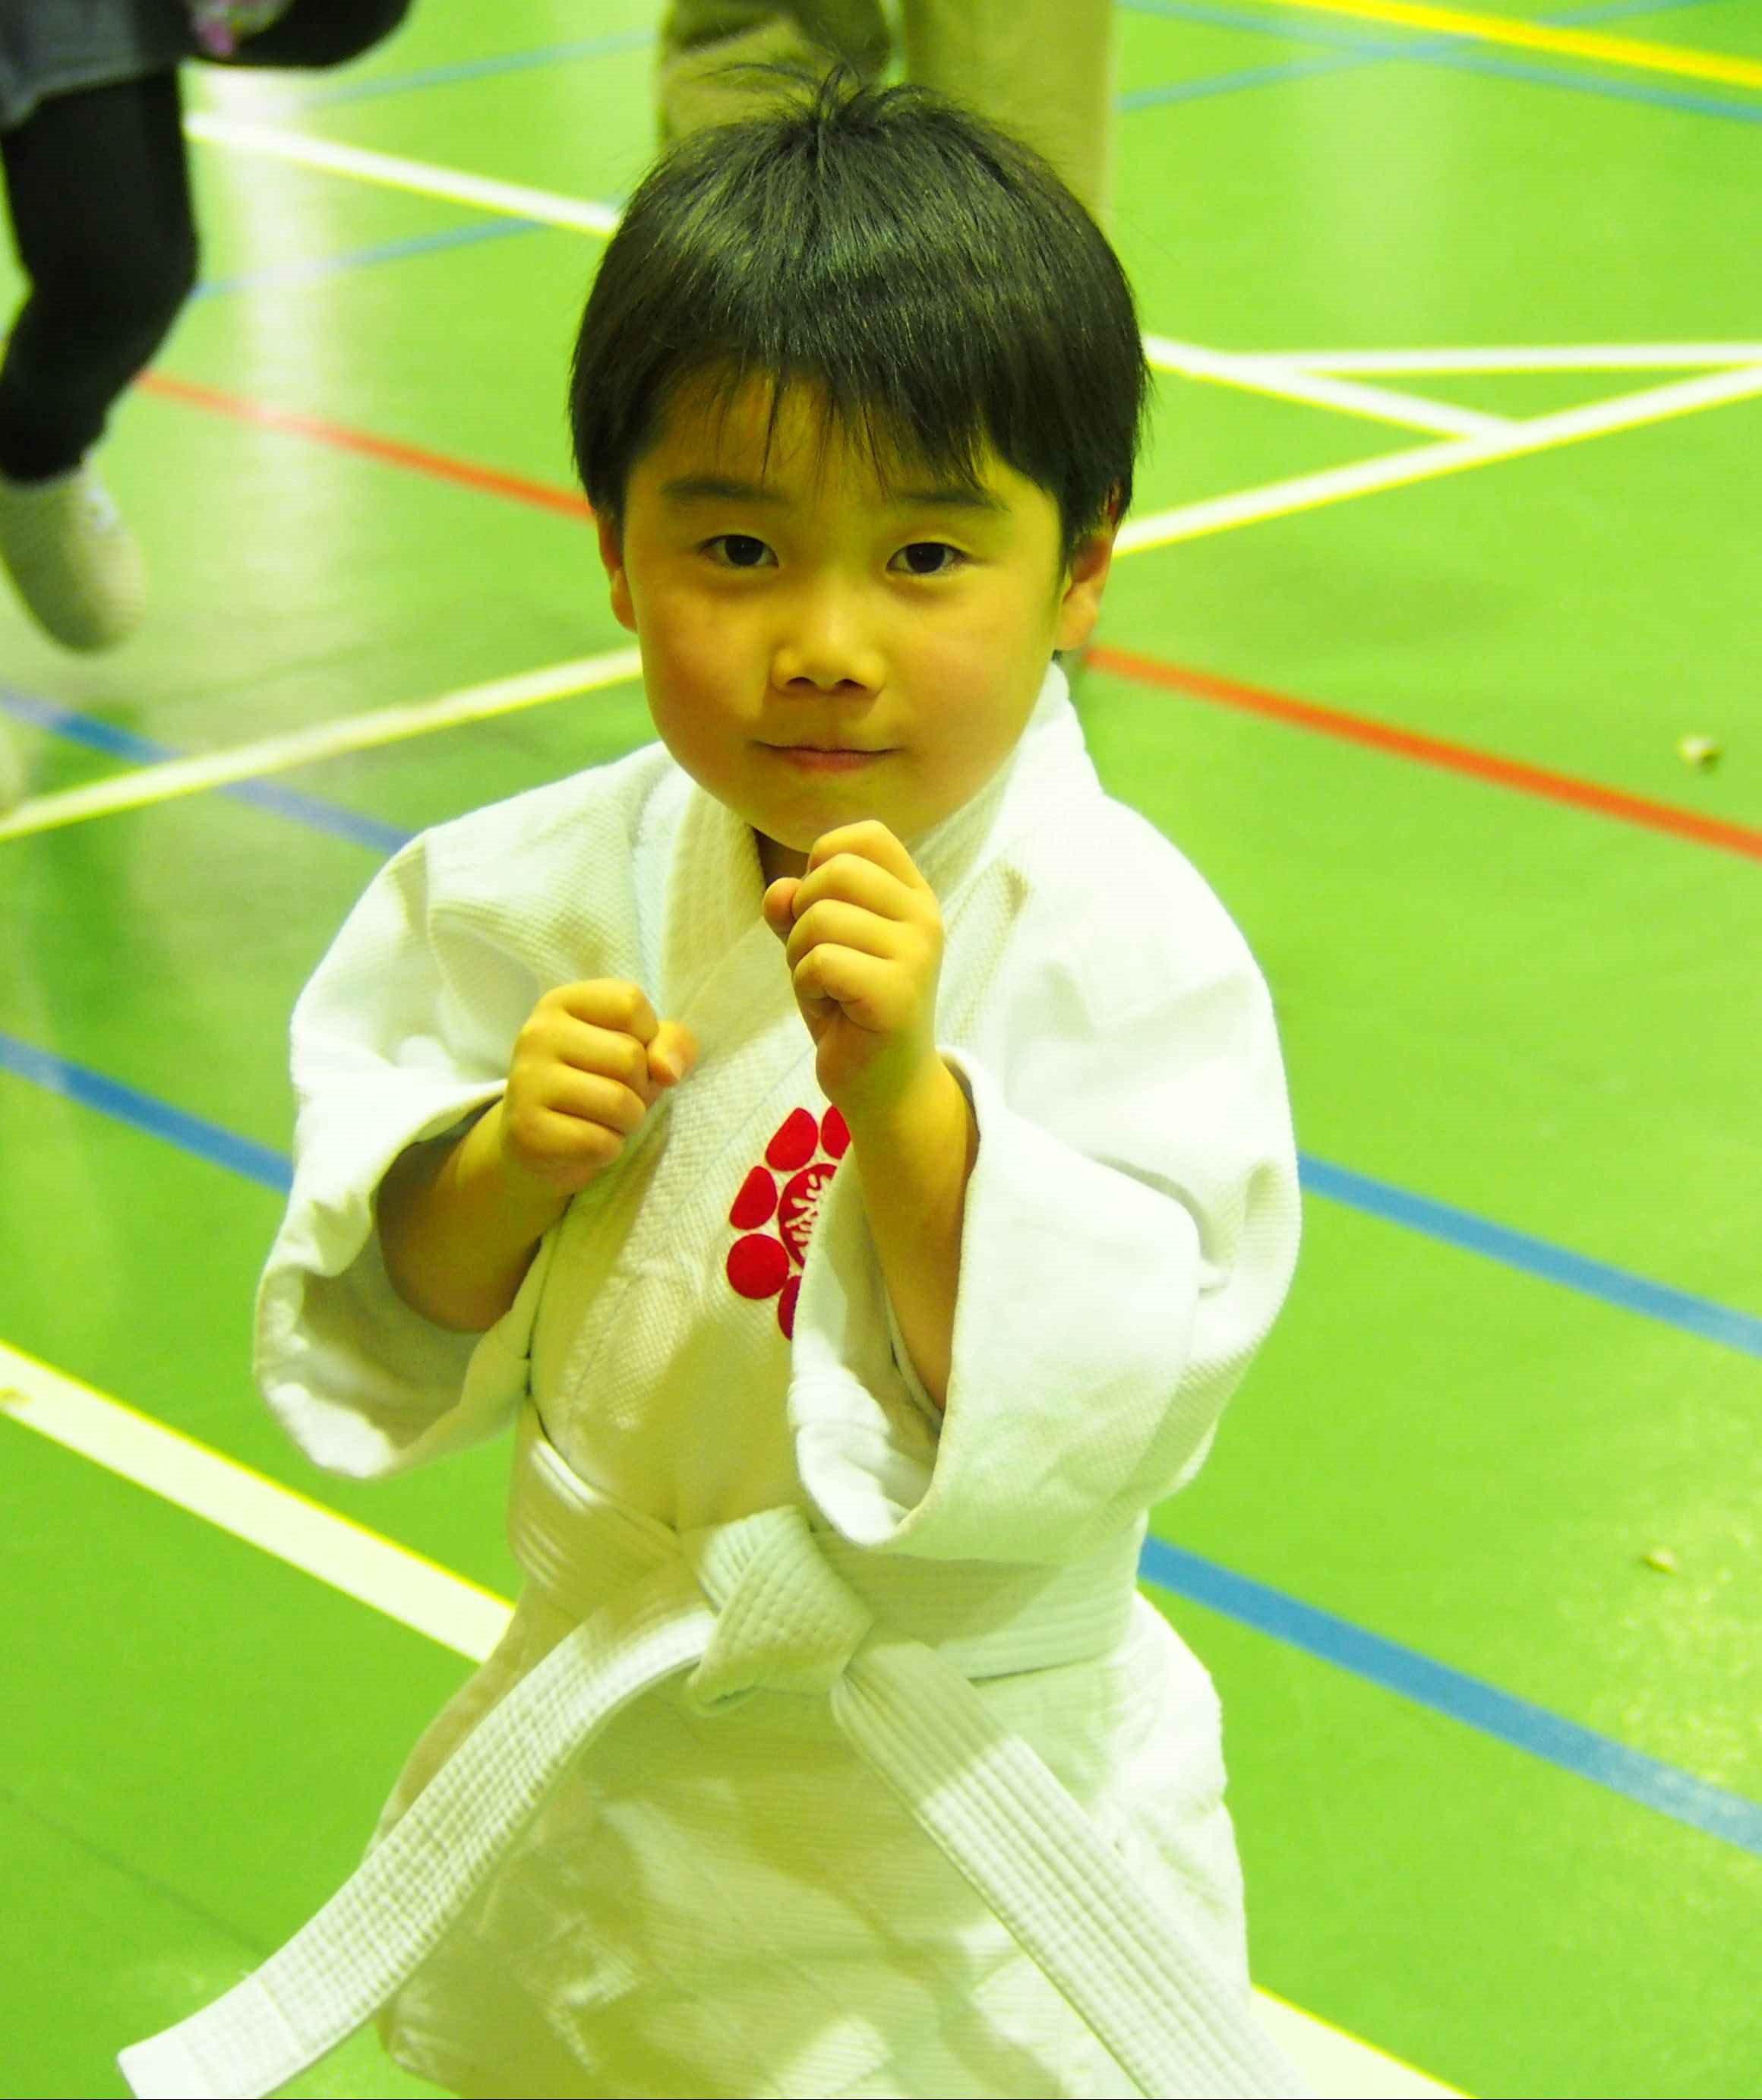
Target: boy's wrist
x=524 y=1200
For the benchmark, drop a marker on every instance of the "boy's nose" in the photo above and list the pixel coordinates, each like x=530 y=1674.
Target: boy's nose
x=825 y=647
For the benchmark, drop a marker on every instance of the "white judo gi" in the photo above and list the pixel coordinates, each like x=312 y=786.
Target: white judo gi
x=831 y=1749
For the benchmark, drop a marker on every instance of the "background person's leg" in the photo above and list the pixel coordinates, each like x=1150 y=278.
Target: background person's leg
x=1045 y=70
x=99 y=188
x=700 y=38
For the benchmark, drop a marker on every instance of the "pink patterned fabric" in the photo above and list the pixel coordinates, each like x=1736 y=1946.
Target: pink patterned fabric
x=219 y=25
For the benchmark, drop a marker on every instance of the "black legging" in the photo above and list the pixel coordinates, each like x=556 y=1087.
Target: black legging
x=99 y=187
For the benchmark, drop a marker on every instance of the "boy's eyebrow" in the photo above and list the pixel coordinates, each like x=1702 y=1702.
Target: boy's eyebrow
x=700 y=488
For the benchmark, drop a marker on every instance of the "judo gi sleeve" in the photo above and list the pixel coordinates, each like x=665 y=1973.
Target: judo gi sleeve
x=405 y=1030
x=1130 y=1231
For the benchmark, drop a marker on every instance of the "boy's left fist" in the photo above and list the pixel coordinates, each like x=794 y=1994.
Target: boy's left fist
x=862 y=935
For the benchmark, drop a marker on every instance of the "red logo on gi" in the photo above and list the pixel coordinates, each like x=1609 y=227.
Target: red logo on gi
x=784 y=1194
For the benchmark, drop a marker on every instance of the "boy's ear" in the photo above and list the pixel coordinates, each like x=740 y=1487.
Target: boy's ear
x=1080 y=606
x=612 y=554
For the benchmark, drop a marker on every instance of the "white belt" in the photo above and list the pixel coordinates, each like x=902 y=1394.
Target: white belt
x=761 y=1604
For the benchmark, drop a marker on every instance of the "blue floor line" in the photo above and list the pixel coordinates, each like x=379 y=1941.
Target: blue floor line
x=1525 y=1726
x=1726 y=1326
x=445 y=76
x=1357 y=50
x=360 y=259
x=1364 y=49
x=145 y=1112
x=1730 y=1817
x=97 y=735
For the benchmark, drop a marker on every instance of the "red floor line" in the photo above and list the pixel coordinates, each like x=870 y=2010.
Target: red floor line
x=489 y=479
x=1429 y=751
x=1119 y=663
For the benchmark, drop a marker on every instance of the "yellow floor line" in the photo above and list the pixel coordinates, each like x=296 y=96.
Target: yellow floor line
x=173 y=777
x=1311 y=491
x=1674 y=58
x=418 y=1593
x=245 y=134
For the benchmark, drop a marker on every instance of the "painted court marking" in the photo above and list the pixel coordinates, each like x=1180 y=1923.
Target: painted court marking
x=390 y=1578
x=1479 y=438
x=1738 y=377
x=390 y=452
x=1311 y=491
x=163 y=778
x=458 y=1614
x=548 y=207
x=1745 y=839
x=1519 y=358
x=1625 y=52
x=1265 y=374
x=173 y=777
x=423 y=178
x=1528 y=1253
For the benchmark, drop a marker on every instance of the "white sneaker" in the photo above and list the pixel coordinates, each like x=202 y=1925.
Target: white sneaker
x=74 y=561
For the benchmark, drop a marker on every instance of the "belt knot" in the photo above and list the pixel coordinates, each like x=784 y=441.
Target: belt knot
x=785 y=1621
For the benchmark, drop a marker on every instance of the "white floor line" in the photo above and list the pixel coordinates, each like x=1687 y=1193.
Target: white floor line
x=374 y=1570
x=1538 y=357
x=150 y=784
x=1258 y=374
x=458 y=1615
x=1309 y=492
x=173 y=777
x=246 y=135
x=579 y=215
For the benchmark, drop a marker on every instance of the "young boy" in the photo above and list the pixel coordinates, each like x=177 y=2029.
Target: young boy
x=855 y=1149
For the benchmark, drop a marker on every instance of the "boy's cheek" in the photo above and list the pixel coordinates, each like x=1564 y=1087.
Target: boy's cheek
x=687 y=637
x=698 y=673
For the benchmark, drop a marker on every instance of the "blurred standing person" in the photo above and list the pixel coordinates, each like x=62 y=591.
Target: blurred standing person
x=1042 y=69
x=98 y=187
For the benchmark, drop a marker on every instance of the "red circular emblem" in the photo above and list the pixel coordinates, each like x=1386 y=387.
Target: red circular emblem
x=799 y=1207
x=758 y=1265
x=757 y=1203
x=796 y=1143
x=788 y=1189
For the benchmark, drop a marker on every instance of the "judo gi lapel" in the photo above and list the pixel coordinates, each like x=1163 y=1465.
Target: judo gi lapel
x=715 y=965
x=1049 y=765
x=709 y=959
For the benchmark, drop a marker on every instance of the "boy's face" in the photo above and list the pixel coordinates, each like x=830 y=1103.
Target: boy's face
x=797 y=603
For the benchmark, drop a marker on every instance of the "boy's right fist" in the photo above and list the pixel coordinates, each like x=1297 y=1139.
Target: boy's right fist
x=589 y=1064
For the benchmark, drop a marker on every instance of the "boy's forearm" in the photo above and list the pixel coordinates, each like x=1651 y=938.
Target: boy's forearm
x=457 y=1229
x=914 y=1170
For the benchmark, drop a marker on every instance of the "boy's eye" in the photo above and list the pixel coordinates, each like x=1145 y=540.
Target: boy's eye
x=926 y=558
x=922 y=557
x=738 y=550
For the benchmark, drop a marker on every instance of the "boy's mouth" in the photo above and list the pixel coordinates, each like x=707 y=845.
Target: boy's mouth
x=826 y=758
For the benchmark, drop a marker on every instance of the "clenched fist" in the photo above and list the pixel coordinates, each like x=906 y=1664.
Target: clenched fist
x=863 y=934
x=589 y=1064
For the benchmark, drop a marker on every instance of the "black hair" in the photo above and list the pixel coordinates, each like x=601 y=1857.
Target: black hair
x=932 y=279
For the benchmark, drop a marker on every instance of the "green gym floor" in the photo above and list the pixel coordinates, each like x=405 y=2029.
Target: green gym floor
x=1445 y=555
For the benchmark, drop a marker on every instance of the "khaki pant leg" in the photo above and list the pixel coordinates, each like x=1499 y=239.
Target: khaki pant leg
x=1045 y=70
x=700 y=37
